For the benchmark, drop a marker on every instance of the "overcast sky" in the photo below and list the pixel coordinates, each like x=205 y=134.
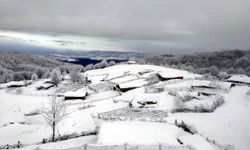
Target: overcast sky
x=144 y=25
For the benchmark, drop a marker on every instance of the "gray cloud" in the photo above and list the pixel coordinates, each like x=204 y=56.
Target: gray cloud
x=158 y=24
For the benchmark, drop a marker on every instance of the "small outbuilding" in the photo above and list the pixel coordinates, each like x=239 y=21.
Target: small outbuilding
x=75 y=95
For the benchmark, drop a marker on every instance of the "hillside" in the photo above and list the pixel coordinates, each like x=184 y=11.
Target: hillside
x=190 y=110
x=15 y=61
x=230 y=61
x=21 y=66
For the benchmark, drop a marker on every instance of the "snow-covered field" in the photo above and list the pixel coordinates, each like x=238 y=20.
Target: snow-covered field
x=141 y=133
x=227 y=125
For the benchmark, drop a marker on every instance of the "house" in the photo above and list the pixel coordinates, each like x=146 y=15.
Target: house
x=212 y=85
x=102 y=86
x=239 y=79
x=15 y=84
x=202 y=84
x=127 y=86
x=75 y=95
x=162 y=77
x=45 y=86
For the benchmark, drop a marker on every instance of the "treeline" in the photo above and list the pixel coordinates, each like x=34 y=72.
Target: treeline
x=212 y=63
x=15 y=66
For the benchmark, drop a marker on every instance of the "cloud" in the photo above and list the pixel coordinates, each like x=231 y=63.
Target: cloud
x=160 y=24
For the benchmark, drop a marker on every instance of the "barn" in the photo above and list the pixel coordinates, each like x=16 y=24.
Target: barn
x=75 y=95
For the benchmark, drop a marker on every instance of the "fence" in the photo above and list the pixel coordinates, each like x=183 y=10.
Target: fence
x=126 y=147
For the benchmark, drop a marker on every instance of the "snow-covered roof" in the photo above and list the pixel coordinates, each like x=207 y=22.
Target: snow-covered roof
x=15 y=83
x=186 y=93
x=47 y=85
x=169 y=74
x=135 y=83
x=78 y=93
x=124 y=79
x=173 y=73
x=201 y=83
x=224 y=85
x=240 y=78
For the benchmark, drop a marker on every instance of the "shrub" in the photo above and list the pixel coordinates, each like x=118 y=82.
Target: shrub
x=6 y=77
x=75 y=77
x=19 y=91
x=17 y=76
x=39 y=72
x=34 y=77
x=55 y=76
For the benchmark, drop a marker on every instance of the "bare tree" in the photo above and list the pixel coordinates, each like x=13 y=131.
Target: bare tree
x=53 y=113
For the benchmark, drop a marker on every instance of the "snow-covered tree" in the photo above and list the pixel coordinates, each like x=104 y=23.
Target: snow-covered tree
x=46 y=75
x=104 y=63
x=39 y=72
x=18 y=76
x=75 y=77
x=89 y=67
x=53 y=113
x=242 y=62
x=223 y=75
x=240 y=71
x=34 y=77
x=6 y=77
x=112 y=63
x=56 y=76
x=152 y=79
x=213 y=70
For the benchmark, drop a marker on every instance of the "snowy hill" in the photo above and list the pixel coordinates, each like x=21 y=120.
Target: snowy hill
x=131 y=104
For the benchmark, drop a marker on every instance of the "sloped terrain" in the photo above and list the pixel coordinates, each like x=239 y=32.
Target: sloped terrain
x=185 y=110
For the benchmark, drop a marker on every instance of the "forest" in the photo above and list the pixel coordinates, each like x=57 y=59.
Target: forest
x=16 y=66
x=219 y=63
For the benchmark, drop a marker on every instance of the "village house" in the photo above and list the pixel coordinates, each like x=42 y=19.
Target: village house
x=45 y=86
x=15 y=84
x=127 y=86
x=239 y=79
x=75 y=95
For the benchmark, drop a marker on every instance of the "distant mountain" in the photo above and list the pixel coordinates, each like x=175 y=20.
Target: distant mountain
x=34 y=49
x=50 y=45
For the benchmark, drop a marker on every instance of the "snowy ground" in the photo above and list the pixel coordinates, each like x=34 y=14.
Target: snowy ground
x=141 y=133
x=228 y=124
